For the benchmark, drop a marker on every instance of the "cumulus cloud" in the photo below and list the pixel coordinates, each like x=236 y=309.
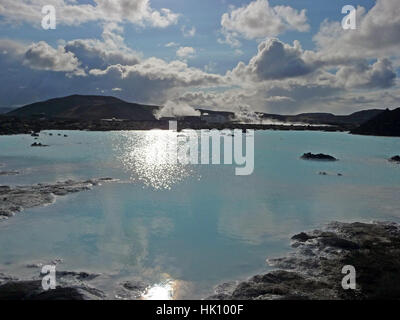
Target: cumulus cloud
x=274 y=60
x=138 y=12
x=185 y=52
x=41 y=56
x=171 y=44
x=259 y=20
x=362 y=75
x=173 y=109
x=277 y=97
x=99 y=53
x=155 y=80
x=176 y=73
x=345 y=72
x=377 y=34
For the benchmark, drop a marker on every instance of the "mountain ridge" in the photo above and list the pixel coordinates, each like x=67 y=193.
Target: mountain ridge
x=95 y=107
x=88 y=107
x=386 y=123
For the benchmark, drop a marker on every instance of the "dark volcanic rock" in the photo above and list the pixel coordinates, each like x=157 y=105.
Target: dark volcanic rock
x=319 y=156
x=337 y=242
x=71 y=285
x=302 y=236
x=77 y=275
x=131 y=290
x=8 y=173
x=395 y=159
x=135 y=285
x=38 y=144
x=32 y=290
x=386 y=123
x=280 y=285
x=313 y=271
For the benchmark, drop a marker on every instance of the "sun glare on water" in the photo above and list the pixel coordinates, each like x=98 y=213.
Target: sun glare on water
x=147 y=157
x=160 y=291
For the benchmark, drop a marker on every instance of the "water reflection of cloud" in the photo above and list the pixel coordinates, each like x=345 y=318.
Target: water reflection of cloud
x=252 y=226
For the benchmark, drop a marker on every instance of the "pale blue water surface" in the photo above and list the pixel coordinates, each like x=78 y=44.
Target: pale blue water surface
x=196 y=225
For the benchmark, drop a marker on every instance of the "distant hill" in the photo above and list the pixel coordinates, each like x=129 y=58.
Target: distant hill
x=90 y=107
x=5 y=110
x=86 y=108
x=386 y=123
x=356 y=118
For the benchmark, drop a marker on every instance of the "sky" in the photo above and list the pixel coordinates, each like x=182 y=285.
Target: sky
x=276 y=56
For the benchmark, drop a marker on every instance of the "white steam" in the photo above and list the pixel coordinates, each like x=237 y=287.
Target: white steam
x=174 y=109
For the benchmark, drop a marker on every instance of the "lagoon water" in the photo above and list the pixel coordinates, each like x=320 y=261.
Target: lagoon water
x=186 y=228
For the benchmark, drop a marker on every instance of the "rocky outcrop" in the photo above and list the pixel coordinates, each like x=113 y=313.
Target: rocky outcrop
x=313 y=271
x=16 y=199
x=132 y=290
x=395 y=159
x=38 y=144
x=70 y=286
x=319 y=156
x=8 y=173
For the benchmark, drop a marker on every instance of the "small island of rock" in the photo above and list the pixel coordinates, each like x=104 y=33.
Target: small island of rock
x=319 y=156
x=395 y=159
x=36 y=144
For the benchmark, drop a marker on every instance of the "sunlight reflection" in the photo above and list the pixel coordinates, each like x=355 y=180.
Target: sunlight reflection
x=160 y=291
x=147 y=156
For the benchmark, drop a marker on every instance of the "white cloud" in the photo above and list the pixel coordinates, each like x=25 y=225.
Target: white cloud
x=274 y=60
x=41 y=56
x=259 y=20
x=171 y=44
x=112 y=50
x=362 y=75
x=188 y=33
x=138 y=12
x=344 y=73
x=186 y=52
x=175 y=73
x=377 y=34
x=154 y=80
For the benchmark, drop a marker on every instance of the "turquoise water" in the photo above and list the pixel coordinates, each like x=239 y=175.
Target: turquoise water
x=194 y=225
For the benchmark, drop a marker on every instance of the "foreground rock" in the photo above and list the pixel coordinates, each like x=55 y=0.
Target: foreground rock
x=132 y=290
x=395 y=159
x=69 y=287
x=16 y=199
x=313 y=271
x=319 y=156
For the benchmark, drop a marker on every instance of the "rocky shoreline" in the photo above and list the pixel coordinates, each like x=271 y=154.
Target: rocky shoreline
x=70 y=286
x=16 y=199
x=14 y=125
x=313 y=270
